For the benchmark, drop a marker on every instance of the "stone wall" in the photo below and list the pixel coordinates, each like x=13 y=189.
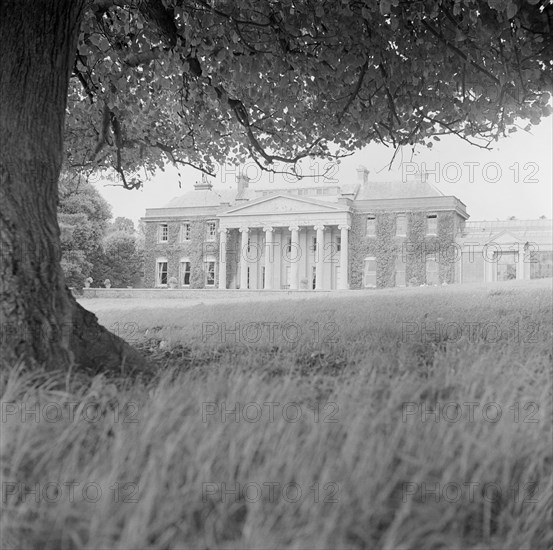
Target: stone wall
x=194 y=294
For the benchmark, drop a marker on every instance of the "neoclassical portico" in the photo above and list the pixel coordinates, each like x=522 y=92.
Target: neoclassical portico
x=286 y=243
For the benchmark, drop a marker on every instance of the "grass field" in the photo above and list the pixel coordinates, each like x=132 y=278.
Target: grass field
x=406 y=418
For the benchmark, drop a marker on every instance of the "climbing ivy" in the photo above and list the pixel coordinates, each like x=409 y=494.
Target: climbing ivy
x=387 y=248
x=413 y=249
x=416 y=249
x=196 y=249
x=446 y=241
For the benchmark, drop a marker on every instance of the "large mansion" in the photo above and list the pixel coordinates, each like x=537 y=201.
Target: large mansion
x=349 y=236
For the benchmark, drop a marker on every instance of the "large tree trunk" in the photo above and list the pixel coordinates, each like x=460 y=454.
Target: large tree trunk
x=40 y=319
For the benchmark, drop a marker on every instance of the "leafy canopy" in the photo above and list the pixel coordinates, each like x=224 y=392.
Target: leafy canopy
x=121 y=260
x=83 y=216
x=122 y=224
x=200 y=82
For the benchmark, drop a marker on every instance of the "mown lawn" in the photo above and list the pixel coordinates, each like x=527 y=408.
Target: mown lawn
x=414 y=418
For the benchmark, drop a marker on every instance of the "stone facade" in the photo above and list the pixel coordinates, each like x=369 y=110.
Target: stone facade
x=385 y=234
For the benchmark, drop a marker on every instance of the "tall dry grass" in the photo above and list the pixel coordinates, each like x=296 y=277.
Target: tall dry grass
x=366 y=464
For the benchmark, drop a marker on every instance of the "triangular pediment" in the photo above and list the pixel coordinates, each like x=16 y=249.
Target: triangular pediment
x=505 y=237
x=279 y=204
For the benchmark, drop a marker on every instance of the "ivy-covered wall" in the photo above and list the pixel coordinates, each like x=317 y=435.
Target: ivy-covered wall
x=197 y=248
x=446 y=241
x=386 y=247
x=416 y=246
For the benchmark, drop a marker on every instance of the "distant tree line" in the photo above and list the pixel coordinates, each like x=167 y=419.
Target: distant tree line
x=92 y=244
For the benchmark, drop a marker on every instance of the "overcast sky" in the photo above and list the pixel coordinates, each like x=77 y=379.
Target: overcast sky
x=513 y=179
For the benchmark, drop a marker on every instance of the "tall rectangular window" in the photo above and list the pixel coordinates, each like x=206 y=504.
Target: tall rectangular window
x=163 y=232
x=211 y=231
x=338 y=244
x=286 y=278
x=400 y=270
x=371 y=226
x=369 y=275
x=313 y=244
x=210 y=273
x=161 y=273
x=185 y=232
x=401 y=225
x=185 y=270
x=431 y=224
x=432 y=270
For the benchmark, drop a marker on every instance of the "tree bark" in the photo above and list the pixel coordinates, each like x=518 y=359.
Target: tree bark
x=40 y=320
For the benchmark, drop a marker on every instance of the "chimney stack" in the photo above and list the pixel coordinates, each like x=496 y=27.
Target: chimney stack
x=205 y=184
x=362 y=174
x=243 y=182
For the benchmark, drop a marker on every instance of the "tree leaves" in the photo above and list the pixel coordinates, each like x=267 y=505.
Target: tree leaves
x=82 y=214
x=257 y=77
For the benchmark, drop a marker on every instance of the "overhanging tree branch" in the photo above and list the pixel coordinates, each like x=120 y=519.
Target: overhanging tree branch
x=457 y=51
x=355 y=91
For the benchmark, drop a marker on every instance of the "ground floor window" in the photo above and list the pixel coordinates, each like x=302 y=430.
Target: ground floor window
x=185 y=270
x=400 y=271
x=432 y=270
x=286 y=277
x=369 y=273
x=161 y=272
x=314 y=277
x=209 y=273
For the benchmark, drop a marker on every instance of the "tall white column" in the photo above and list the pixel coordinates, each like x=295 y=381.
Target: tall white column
x=344 y=232
x=295 y=255
x=269 y=257
x=319 y=256
x=244 y=258
x=520 y=265
x=222 y=258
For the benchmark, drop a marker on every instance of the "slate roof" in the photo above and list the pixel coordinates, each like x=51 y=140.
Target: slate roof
x=368 y=191
x=396 y=190
x=203 y=197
